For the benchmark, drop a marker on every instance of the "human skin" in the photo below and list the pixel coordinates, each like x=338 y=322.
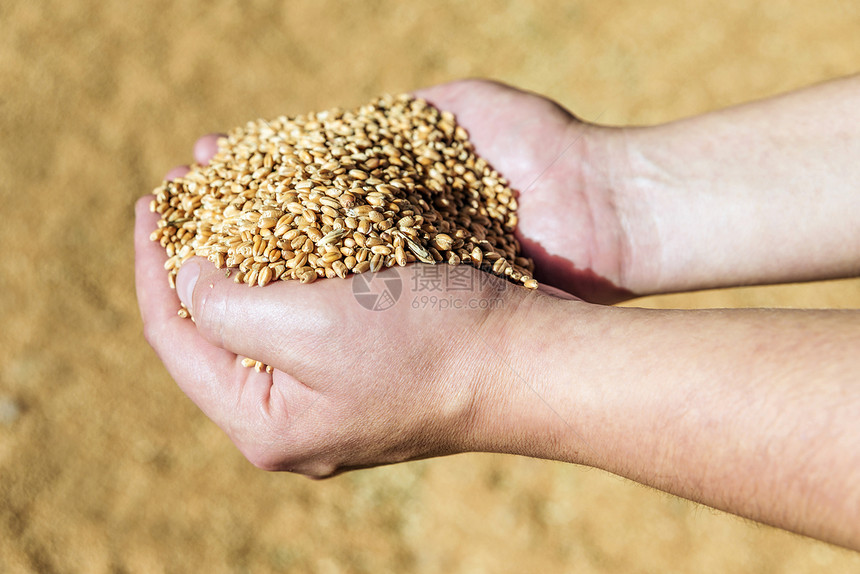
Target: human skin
x=756 y=412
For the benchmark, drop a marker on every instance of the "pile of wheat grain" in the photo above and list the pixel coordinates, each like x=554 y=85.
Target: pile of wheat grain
x=336 y=192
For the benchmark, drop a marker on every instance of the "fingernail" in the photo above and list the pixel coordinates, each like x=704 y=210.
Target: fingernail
x=185 y=281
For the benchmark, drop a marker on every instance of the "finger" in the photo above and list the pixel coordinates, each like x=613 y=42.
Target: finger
x=177 y=171
x=206 y=147
x=467 y=99
x=258 y=321
x=450 y=95
x=213 y=378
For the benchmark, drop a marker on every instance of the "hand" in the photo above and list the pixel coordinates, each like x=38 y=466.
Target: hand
x=625 y=390
x=351 y=387
x=572 y=222
x=570 y=219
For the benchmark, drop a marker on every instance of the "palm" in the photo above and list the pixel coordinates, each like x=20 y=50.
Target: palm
x=570 y=230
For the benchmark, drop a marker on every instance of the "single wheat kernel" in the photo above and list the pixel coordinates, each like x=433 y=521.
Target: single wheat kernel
x=340 y=269
x=400 y=256
x=308 y=277
x=331 y=237
x=361 y=267
x=265 y=276
x=443 y=241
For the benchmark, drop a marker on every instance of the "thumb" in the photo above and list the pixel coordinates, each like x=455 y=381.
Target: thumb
x=186 y=280
x=268 y=323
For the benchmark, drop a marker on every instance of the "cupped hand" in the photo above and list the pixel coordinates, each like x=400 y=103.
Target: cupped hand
x=355 y=387
x=570 y=222
x=352 y=386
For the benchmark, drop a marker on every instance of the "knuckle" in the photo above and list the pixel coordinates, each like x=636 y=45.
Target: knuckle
x=262 y=450
x=263 y=457
x=320 y=471
x=272 y=459
x=264 y=461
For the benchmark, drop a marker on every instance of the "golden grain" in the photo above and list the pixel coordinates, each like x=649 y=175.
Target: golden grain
x=361 y=267
x=337 y=192
x=308 y=277
x=400 y=256
x=331 y=237
x=443 y=241
x=265 y=276
x=340 y=269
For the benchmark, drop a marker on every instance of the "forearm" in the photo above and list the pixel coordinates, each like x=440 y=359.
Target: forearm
x=753 y=412
x=765 y=192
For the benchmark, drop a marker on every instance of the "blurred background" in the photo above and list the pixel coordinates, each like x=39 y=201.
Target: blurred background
x=106 y=467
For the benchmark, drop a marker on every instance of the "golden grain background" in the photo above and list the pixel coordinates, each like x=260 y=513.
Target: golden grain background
x=106 y=467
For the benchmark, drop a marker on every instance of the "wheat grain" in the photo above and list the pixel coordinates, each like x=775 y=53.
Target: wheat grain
x=337 y=192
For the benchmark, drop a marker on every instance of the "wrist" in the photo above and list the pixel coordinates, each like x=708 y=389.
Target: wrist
x=613 y=173
x=618 y=168
x=746 y=195
x=526 y=398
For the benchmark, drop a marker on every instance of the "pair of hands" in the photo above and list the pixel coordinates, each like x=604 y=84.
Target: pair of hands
x=707 y=405
x=353 y=387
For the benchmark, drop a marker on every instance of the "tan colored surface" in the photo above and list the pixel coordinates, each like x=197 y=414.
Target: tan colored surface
x=106 y=467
